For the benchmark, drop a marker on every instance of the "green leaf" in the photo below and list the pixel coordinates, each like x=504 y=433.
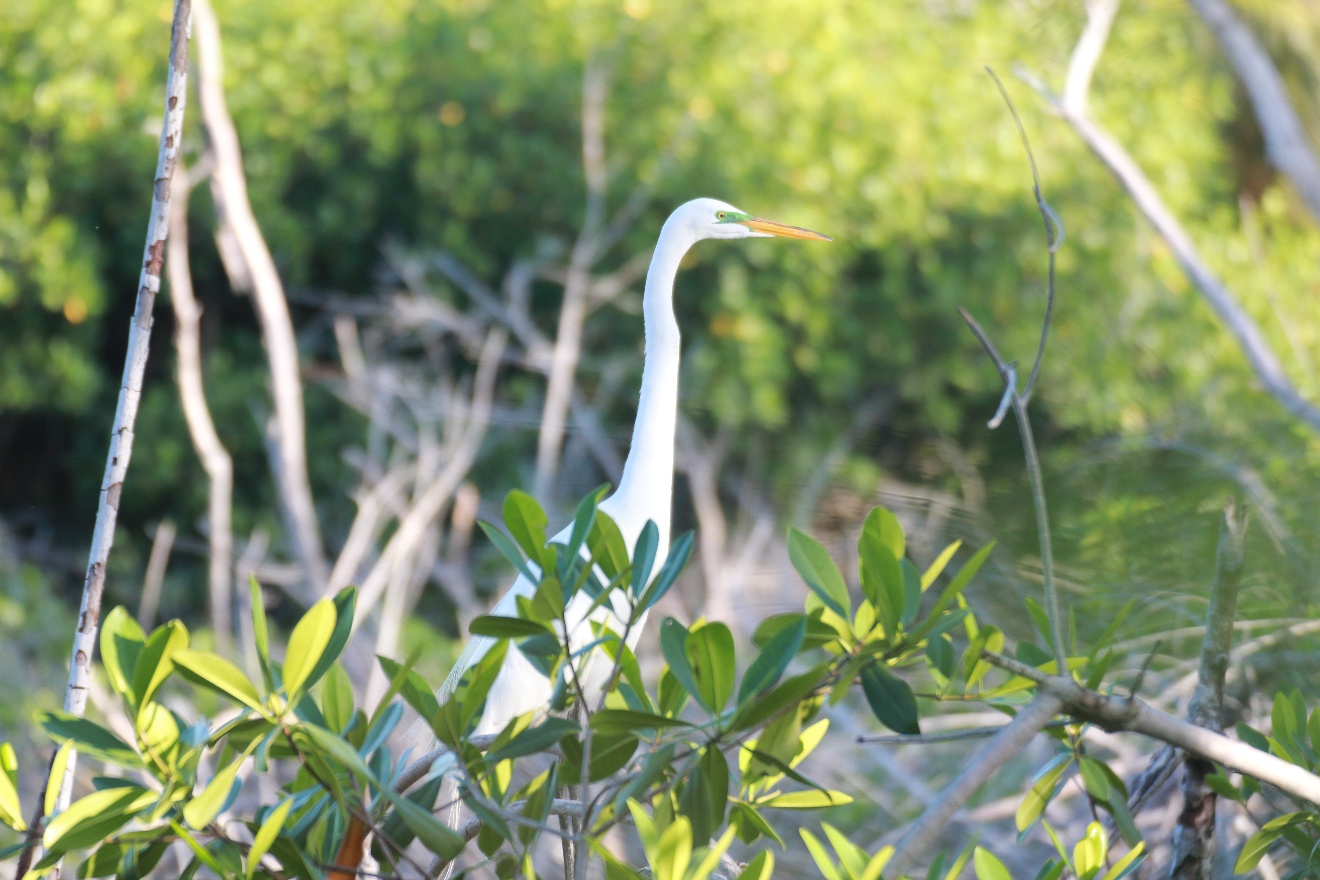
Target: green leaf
x=496 y=627
x=961 y=580
x=58 y=766
x=644 y=552
x=1042 y=792
x=508 y=549
x=1089 y=853
x=816 y=567
x=11 y=811
x=337 y=699
x=345 y=607
x=1093 y=777
x=121 y=642
x=1128 y=863
x=607 y=546
x=308 y=642
x=988 y=867
x=792 y=690
x=673 y=644
x=911 y=592
x=91 y=819
x=939 y=652
x=416 y=692
x=821 y=856
x=711 y=653
x=679 y=551
x=882 y=577
x=154 y=663
x=774 y=658
x=705 y=795
x=526 y=522
x=673 y=853
x=750 y=825
x=266 y=834
x=761 y=867
x=533 y=740
x=620 y=721
x=204 y=807
x=806 y=800
x=104 y=861
x=610 y=753
x=1219 y=783
x=891 y=699
x=89 y=738
x=937 y=567
x=260 y=629
x=218 y=674
x=989 y=638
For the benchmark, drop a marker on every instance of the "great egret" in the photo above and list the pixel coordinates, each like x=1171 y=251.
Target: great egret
x=646 y=487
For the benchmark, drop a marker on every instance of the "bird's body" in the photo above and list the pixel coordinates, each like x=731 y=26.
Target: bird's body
x=645 y=489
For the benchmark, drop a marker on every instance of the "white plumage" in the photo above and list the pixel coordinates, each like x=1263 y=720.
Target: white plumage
x=645 y=489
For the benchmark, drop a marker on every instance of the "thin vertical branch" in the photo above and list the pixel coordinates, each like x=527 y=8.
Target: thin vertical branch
x=573 y=313
x=162 y=543
x=215 y=458
x=1194 y=836
x=229 y=189
x=130 y=391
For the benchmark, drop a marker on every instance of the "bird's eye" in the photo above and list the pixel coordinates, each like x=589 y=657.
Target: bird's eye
x=720 y=215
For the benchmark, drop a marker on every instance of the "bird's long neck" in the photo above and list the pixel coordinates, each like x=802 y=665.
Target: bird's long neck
x=647 y=484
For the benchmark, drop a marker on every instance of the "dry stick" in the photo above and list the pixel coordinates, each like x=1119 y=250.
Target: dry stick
x=162 y=542
x=130 y=391
x=573 y=312
x=1286 y=142
x=1135 y=715
x=215 y=458
x=1249 y=337
x=414 y=524
x=1194 y=837
x=229 y=189
x=1002 y=746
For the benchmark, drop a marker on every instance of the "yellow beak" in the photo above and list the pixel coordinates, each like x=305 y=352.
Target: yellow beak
x=783 y=230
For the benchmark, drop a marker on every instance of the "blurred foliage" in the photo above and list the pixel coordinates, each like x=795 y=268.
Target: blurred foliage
x=454 y=125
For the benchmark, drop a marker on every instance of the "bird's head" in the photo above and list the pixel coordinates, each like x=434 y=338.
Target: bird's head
x=711 y=218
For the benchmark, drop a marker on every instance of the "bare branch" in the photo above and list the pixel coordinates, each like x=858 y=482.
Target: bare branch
x=1286 y=142
x=130 y=391
x=229 y=189
x=215 y=458
x=1006 y=743
x=1137 y=716
x=1249 y=337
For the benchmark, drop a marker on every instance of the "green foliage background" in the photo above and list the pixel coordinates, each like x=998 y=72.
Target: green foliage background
x=874 y=123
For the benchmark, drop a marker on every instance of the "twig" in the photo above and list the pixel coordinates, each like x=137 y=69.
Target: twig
x=1006 y=742
x=130 y=392
x=229 y=190
x=1037 y=482
x=1194 y=837
x=162 y=542
x=215 y=458
x=1137 y=716
x=925 y=739
x=1286 y=142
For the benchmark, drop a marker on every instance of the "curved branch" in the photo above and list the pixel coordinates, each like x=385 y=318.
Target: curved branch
x=229 y=189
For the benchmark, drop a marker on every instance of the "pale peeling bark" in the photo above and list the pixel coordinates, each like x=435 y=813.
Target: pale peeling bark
x=215 y=458
x=130 y=392
x=229 y=189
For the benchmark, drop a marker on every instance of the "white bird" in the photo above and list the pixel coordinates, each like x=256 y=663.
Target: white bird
x=645 y=490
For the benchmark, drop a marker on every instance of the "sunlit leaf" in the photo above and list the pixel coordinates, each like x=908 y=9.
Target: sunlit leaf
x=266 y=835
x=307 y=643
x=988 y=867
x=216 y=673
x=816 y=567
